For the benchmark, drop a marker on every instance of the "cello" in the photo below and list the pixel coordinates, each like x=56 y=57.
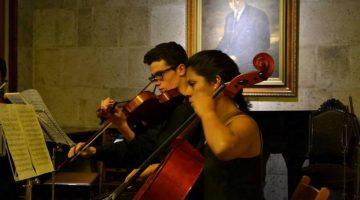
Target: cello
x=181 y=168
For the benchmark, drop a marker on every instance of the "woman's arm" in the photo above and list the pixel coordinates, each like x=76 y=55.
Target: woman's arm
x=233 y=140
x=227 y=141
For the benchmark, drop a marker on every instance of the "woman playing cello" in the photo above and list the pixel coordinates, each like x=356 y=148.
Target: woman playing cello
x=232 y=141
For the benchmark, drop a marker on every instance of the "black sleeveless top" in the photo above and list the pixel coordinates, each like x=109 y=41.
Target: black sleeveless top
x=236 y=179
x=239 y=178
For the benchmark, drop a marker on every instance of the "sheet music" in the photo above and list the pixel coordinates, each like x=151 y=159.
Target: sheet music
x=16 y=141
x=35 y=139
x=15 y=98
x=52 y=129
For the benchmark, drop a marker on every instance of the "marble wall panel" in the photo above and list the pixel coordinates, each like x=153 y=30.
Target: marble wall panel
x=133 y=26
x=25 y=24
x=113 y=67
x=307 y=69
x=164 y=2
x=355 y=66
x=47 y=67
x=70 y=4
x=123 y=94
x=91 y=3
x=328 y=23
x=41 y=4
x=80 y=67
x=54 y=28
x=138 y=71
x=66 y=29
x=166 y=25
x=44 y=29
x=106 y=29
x=85 y=26
x=75 y=106
x=332 y=70
x=126 y=3
x=25 y=66
x=111 y=3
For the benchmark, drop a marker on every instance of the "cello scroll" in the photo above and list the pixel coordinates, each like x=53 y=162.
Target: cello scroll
x=264 y=63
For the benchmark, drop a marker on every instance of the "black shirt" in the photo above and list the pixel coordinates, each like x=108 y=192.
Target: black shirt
x=132 y=154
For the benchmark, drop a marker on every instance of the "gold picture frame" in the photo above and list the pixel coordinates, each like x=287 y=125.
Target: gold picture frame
x=284 y=36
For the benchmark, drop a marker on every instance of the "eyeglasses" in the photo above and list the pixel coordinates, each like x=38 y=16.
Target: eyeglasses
x=159 y=75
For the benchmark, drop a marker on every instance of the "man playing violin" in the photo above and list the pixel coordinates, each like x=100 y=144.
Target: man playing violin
x=167 y=67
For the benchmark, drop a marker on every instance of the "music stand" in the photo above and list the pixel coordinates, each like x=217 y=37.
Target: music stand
x=51 y=129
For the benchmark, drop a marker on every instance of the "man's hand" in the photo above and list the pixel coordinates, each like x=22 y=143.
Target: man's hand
x=85 y=154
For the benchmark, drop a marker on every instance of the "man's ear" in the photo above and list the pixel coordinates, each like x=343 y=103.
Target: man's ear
x=181 y=69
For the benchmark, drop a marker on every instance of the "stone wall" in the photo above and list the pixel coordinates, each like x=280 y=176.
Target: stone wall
x=77 y=52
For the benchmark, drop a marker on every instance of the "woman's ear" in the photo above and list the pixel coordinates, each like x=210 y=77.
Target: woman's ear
x=181 y=69
x=218 y=82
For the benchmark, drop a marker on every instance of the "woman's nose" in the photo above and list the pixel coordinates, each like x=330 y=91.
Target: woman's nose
x=187 y=92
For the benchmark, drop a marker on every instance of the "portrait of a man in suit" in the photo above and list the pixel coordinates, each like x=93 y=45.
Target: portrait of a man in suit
x=246 y=33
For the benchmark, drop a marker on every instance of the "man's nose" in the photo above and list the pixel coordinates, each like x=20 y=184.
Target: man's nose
x=157 y=82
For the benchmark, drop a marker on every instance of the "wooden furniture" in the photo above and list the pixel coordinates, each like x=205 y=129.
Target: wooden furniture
x=332 y=144
x=74 y=178
x=69 y=185
x=304 y=191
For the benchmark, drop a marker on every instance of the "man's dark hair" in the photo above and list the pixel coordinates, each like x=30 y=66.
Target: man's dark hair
x=2 y=69
x=173 y=53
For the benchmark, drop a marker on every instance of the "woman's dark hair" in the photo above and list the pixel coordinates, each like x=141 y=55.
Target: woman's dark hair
x=210 y=63
x=173 y=53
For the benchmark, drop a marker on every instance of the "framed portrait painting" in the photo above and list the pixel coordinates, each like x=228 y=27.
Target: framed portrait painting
x=244 y=28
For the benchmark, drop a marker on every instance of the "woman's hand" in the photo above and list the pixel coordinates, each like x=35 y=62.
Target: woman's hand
x=143 y=176
x=203 y=103
x=85 y=154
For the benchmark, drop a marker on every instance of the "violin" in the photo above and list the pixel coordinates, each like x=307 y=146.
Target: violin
x=143 y=109
x=137 y=110
x=179 y=171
